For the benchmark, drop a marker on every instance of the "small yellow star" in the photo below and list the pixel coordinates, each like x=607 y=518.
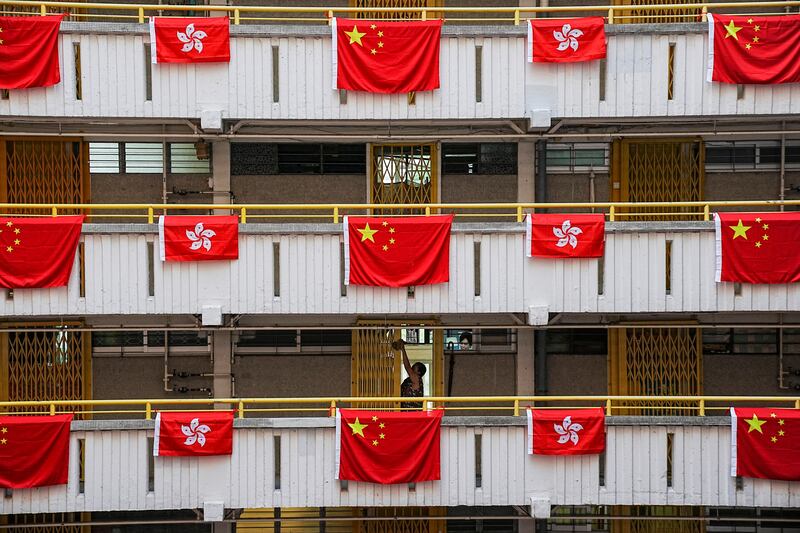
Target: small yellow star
x=3 y=441
x=367 y=233
x=781 y=433
x=381 y=425
x=373 y=51
x=1 y=41
x=756 y=28
x=740 y=230
x=382 y=435
x=755 y=39
x=748 y=46
x=754 y=423
x=357 y=427
x=391 y=230
x=391 y=241
x=758 y=245
x=1 y=30
x=732 y=30
x=765 y=226
x=758 y=219
x=9 y=249
x=384 y=223
x=374 y=418
x=781 y=422
x=380 y=44
x=749 y=21
x=773 y=415
x=4 y=430
x=380 y=34
x=774 y=439
x=16 y=241
x=16 y=231
x=385 y=248
x=372 y=27
x=355 y=36
x=375 y=443
x=765 y=237
x=9 y=223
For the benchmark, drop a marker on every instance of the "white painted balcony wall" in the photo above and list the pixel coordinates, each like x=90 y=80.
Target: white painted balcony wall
x=634 y=273
x=635 y=470
x=113 y=79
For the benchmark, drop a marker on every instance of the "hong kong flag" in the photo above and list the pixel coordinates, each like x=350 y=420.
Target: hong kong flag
x=765 y=443
x=565 y=235
x=388 y=447
x=397 y=252
x=758 y=247
x=566 y=432
x=193 y=433
x=385 y=57
x=190 y=40
x=198 y=238
x=566 y=40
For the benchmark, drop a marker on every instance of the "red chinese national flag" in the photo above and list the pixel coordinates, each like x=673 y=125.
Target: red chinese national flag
x=198 y=238
x=190 y=40
x=385 y=57
x=38 y=252
x=765 y=443
x=566 y=432
x=758 y=247
x=565 y=235
x=29 y=51
x=397 y=252
x=34 y=451
x=388 y=447
x=193 y=433
x=750 y=49
x=566 y=40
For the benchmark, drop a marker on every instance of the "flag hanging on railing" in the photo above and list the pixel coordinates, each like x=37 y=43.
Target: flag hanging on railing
x=198 y=238
x=190 y=40
x=193 y=433
x=753 y=49
x=565 y=235
x=29 y=51
x=34 y=451
x=38 y=252
x=758 y=247
x=765 y=443
x=388 y=447
x=566 y=40
x=566 y=431
x=385 y=57
x=397 y=252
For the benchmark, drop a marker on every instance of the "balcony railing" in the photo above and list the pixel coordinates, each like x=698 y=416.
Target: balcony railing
x=486 y=405
x=482 y=15
x=614 y=211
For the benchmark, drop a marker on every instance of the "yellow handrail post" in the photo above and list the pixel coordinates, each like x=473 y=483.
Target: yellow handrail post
x=516 y=407
x=333 y=409
x=424 y=14
x=43 y=10
x=520 y=214
x=611 y=211
x=241 y=409
x=236 y=17
x=797 y=404
x=148 y=411
x=150 y=213
x=611 y=15
x=243 y=215
x=702 y=407
x=141 y=15
x=704 y=14
x=516 y=17
x=55 y=211
x=427 y=210
x=336 y=215
x=706 y=212
x=608 y=406
x=52 y=409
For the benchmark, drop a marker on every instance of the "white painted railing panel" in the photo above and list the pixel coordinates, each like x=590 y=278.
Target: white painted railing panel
x=113 y=82
x=633 y=280
x=116 y=473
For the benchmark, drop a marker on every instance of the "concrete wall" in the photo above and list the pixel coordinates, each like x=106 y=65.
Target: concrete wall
x=481 y=374
x=576 y=187
x=577 y=374
x=480 y=189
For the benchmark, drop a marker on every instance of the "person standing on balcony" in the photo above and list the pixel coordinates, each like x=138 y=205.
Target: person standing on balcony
x=412 y=386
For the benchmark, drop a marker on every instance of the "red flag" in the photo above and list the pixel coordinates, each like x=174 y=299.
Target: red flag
x=193 y=433
x=198 y=238
x=29 y=51
x=385 y=57
x=397 y=252
x=565 y=235
x=34 y=451
x=566 y=432
x=388 y=447
x=190 y=40
x=38 y=252
x=765 y=443
x=566 y=40
x=758 y=247
x=750 y=49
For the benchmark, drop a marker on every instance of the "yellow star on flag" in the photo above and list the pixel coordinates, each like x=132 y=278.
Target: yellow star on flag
x=740 y=230
x=731 y=28
x=355 y=36
x=357 y=427
x=754 y=423
x=375 y=443
x=4 y=430
x=374 y=418
x=367 y=233
x=3 y=441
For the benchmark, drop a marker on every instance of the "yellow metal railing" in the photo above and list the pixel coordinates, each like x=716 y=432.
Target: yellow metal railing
x=515 y=15
x=614 y=211
x=504 y=405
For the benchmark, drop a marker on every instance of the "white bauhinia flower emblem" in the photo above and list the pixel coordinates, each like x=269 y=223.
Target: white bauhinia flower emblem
x=200 y=237
x=567 y=234
x=568 y=431
x=195 y=432
x=192 y=39
x=568 y=37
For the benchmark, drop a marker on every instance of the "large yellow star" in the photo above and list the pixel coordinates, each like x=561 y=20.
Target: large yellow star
x=367 y=233
x=731 y=28
x=355 y=36
x=357 y=427
x=740 y=230
x=754 y=423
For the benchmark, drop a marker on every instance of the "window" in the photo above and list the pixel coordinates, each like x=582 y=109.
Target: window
x=479 y=158
x=145 y=158
x=104 y=158
x=275 y=338
x=297 y=158
x=733 y=341
x=183 y=160
x=292 y=340
x=577 y=341
x=144 y=342
x=577 y=157
x=751 y=155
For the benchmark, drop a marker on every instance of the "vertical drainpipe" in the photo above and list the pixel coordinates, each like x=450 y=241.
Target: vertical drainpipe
x=540 y=342
x=540 y=185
